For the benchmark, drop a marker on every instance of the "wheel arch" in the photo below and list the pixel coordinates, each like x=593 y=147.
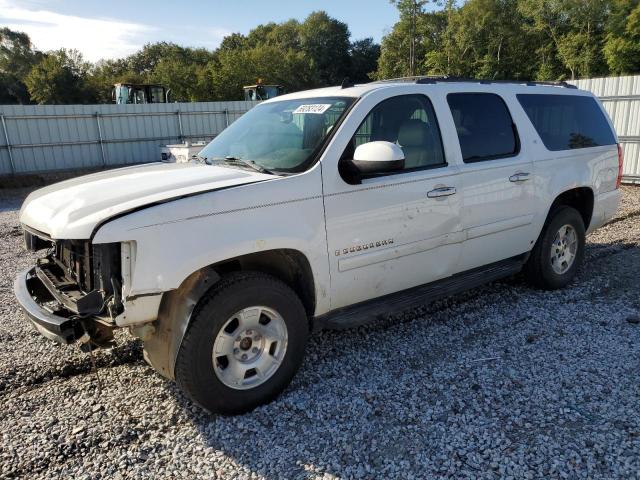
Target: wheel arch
x=289 y=265
x=174 y=315
x=580 y=198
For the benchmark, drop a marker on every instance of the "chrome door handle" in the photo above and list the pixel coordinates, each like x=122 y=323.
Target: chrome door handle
x=441 y=192
x=519 y=177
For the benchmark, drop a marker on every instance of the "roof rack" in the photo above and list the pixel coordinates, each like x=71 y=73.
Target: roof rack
x=429 y=79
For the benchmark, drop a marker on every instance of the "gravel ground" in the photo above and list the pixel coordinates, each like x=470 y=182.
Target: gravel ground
x=502 y=381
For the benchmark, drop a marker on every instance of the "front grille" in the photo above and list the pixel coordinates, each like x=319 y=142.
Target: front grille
x=75 y=257
x=82 y=277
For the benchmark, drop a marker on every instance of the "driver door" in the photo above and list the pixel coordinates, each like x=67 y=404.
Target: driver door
x=400 y=229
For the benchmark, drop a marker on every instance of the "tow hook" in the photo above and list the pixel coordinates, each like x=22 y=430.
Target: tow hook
x=96 y=336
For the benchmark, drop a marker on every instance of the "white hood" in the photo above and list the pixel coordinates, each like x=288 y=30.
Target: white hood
x=73 y=208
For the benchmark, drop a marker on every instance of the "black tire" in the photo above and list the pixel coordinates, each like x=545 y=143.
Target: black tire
x=538 y=270
x=195 y=373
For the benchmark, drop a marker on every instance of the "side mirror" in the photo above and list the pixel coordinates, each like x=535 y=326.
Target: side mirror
x=378 y=157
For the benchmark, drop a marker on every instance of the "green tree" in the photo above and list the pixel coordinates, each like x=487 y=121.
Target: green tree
x=394 y=56
x=151 y=55
x=483 y=39
x=574 y=32
x=286 y=36
x=104 y=74
x=316 y=52
x=17 y=57
x=526 y=39
x=364 y=59
x=232 y=42
x=183 y=70
x=237 y=68
x=60 y=78
x=187 y=80
x=409 y=41
x=144 y=62
x=325 y=41
x=410 y=13
x=581 y=49
x=622 y=43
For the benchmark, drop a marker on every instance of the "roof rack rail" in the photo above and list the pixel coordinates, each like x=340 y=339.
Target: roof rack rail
x=412 y=79
x=429 y=79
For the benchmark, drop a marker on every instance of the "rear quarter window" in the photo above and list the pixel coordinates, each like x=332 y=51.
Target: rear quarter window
x=567 y=122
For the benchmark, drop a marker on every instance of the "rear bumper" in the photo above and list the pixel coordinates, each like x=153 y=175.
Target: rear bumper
x=605 y=206
x=64 y=330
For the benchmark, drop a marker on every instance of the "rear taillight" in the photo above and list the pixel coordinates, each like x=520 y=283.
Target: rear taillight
x=620 y=162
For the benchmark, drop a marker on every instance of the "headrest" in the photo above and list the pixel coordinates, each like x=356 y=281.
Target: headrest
x=413 y=133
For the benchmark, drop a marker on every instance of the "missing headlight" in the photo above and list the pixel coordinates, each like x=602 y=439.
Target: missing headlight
x=34 y=243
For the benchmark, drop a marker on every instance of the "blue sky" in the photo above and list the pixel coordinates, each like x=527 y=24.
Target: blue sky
x=116 y=28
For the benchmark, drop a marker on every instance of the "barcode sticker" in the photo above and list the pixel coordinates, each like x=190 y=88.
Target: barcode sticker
x=314 y=108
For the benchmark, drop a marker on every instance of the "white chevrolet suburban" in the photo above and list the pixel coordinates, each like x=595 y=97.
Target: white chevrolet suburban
x=314 y=209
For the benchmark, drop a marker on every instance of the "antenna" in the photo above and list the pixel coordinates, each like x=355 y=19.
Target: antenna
x=346 y=83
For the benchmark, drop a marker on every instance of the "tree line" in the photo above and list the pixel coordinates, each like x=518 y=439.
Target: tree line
x=492 y=39
x=298 y=55
x=513 y=39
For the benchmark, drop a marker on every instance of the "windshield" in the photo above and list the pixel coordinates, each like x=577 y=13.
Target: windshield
x=281 y=136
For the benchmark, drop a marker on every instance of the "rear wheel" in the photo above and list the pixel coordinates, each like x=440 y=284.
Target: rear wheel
x=244 y=344
x=558 y=252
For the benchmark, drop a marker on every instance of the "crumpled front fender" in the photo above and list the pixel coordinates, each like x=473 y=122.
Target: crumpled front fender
x=174 y=316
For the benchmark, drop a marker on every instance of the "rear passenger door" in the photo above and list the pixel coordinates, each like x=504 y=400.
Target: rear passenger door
x=496 y=180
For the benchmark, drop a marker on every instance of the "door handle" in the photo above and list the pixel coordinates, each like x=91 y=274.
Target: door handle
x=519 y=177
x=441 y=192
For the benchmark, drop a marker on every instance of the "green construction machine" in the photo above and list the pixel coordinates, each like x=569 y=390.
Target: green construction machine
x=262 y=92
x=132 y=93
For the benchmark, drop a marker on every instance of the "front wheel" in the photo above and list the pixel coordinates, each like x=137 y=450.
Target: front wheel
x=558 y=252
x=244 y=344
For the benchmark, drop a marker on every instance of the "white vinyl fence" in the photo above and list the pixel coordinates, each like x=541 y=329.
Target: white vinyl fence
x=47 y=138
x=621 y=98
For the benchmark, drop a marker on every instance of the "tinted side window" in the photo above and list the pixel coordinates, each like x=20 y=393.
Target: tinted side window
x=484 y=125
x=409 y=121
x=565 y=122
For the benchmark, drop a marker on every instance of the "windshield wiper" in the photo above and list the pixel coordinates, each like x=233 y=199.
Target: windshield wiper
x=241 y=161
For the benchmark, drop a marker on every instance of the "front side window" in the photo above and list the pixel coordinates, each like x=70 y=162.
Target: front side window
x=410 y=122
x=282 y=136
x=484 y=125
x=566 y=122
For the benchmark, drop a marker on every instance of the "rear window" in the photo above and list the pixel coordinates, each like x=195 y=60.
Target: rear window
x=484 y=125
x=566 y=122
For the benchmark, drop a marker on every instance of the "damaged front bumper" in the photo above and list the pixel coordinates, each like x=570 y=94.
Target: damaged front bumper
x=73 y=293
x=56 y=325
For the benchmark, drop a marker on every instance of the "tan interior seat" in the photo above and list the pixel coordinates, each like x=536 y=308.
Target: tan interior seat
x=417 y=142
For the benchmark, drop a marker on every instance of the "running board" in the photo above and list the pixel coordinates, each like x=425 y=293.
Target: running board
x=368 y=310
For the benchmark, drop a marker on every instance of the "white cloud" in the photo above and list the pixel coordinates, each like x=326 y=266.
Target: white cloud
x=194 y=37
x=217 y=34
x=96 y=38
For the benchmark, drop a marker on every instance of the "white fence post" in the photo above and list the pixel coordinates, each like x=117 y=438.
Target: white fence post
x=181 y=135
x=6 y=137
x=100 y=139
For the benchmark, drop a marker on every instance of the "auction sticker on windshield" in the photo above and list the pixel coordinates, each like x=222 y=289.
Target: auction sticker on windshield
x=313 y=108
